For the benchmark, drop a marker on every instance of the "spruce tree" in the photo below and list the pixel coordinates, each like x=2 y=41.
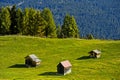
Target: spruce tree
x=5 y=21
x=31 y=26
x=89 y=36
x=50 y=29
x=33 y=23
x=13 y=27
x=19 y=20
x=59 y=31
x=0 y=23
x=66 y=26
x=69 y=28
x=40 y=25
x=29 y=21
x=75 y=30
x=25 y=21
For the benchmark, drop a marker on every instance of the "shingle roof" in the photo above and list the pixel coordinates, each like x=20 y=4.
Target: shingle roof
x=34 y=58
x=66 y=64
x=95 y=51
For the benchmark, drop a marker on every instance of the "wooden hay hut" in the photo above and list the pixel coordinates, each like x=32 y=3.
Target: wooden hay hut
x=95 y=53
x=64 y=67
x=32 y=61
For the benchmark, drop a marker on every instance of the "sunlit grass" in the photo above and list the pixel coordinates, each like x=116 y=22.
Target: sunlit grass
x=13 y=49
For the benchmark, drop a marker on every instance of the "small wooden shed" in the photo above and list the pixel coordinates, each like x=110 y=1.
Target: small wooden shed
x=32 y=61
x=64 y=67
x=95 y=53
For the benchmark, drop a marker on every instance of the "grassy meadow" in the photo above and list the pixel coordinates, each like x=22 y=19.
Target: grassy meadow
x=13 y=49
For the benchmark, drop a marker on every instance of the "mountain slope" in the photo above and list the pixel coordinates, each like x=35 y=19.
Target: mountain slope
x=13 y=49
x=98 y=17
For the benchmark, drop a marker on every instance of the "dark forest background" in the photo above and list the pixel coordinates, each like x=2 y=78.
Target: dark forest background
x=101 y=18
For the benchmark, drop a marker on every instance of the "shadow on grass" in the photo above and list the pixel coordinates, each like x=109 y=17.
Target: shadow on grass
x=50 y=74
x=18 y=66
x=83 y=58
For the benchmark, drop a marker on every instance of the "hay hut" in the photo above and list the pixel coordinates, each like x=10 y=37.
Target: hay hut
x=95 y=53
x=64 y=67
x=32 y=61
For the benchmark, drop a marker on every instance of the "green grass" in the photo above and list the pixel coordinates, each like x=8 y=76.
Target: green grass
x=13 y=49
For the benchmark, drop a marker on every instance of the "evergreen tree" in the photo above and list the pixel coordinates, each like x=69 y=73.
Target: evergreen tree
x=69 y=27
x=40 y=25
x=89 y=36
x=66 y=26
x=59 y=31
x=50 y=29
x=31 y=25
x=75 y=30
x=19 y=20
x=13 y=27
x=25 y=21
x=0 y=24
x=5 y=21
x=29 y=21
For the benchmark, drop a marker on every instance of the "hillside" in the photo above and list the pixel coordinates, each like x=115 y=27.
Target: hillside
x=98 y=17
x=13 y=49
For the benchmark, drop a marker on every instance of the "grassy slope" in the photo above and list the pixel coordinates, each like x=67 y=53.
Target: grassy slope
x=13 y=49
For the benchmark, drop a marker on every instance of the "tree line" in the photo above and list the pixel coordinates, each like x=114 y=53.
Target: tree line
x=36 y=23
